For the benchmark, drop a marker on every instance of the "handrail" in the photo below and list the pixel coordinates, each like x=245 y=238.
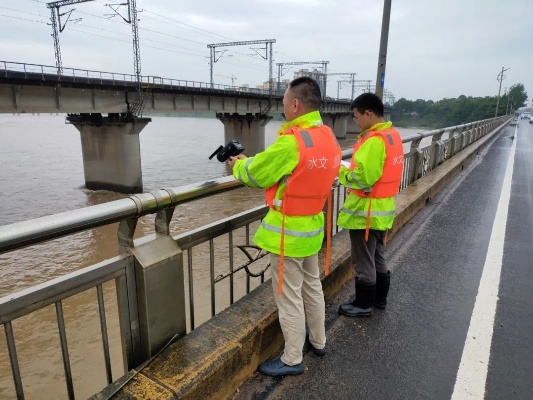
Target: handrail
x=21 y=234
x=147 y=80
x=39 y=296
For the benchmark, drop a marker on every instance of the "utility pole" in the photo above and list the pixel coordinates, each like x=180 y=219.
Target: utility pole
x=58 y=27
x=382 y=58
x=138 y=105
x=339 y=87
x=500 y=78
x=348 y=75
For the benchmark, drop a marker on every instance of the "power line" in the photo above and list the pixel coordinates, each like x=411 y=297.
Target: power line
x=23 y=19
x=164 y=34
x=127 y=41
x=245 y=63
x=183 y=23
x=24 y=12
x=176 y=21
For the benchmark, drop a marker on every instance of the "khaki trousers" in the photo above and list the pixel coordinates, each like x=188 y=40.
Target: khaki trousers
x=302 y=299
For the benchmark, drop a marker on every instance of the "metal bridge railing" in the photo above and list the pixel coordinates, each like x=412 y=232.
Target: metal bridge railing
x=209 y=249
x=9 y=69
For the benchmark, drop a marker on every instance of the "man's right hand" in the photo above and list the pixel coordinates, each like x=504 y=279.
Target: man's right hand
x=231 y=161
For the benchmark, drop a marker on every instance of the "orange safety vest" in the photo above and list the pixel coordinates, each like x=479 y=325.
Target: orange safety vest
x=389 y=182
x=309 y=185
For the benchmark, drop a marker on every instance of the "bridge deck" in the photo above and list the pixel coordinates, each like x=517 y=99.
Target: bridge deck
x=413 y=350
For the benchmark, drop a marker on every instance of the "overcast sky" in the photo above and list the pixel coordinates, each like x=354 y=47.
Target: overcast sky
x=436 y=48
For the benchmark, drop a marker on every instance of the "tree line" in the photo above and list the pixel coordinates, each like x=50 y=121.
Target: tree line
x=455 y=111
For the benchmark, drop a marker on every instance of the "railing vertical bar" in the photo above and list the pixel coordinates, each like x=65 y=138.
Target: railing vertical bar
x=64 y=349
x=125 y=322
x=103 y=327
x=212 y=274
x=247 y=242
x=338 y=208
x=10 y=339
x=191 y=287
x=230 y=239
x=331 y=217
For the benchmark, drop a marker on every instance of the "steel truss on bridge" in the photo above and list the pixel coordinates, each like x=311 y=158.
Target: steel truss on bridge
x=268 y=54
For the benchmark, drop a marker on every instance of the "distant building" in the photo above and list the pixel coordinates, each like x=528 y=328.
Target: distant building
x=266 y=86
x=316 y=74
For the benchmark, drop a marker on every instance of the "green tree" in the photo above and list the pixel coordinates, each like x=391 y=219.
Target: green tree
x=518 y=95
x=455 y=111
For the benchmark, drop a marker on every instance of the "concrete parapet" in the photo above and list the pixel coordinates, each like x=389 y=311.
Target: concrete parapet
x=216 y=358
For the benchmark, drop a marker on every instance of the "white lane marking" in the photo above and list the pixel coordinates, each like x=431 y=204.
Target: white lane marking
x=472 y=374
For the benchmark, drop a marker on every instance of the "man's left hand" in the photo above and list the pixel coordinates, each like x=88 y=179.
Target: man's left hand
x=231 y=161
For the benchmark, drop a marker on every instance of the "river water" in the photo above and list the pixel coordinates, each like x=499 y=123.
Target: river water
x=41 y=173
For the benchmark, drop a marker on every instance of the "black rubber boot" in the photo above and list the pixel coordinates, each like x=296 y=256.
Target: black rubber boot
x=382 y=289
x=362 y=305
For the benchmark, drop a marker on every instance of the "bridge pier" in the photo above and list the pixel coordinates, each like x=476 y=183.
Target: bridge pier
x=337 y=122
x=248 y=129
x=111 y=151
x=351 y=126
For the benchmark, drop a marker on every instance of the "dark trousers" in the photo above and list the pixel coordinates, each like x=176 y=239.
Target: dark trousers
x=368 y=257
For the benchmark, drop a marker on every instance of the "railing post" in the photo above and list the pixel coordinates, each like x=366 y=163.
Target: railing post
x=452 y=138
x=159 y=283
x=438 y=149
x=127 y=299
x=418 y=160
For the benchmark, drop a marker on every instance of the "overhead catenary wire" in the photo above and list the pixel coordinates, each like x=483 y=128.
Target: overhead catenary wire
x=144 y=38
x=243 y=60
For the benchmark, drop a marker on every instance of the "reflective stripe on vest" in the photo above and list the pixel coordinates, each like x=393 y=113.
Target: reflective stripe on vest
x=291 y=232
x=365 y=213
x=366 y=189
x=250 y=177
x=306 y=137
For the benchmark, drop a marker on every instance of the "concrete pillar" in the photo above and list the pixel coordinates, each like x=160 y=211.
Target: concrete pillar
x=352 y=127
x=160 y=291
x=337 y=122
x=248 y=129
x=111 y=151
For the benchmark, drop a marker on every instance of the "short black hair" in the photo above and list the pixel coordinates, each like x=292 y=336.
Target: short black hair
x=368 y=101
x=307 y=91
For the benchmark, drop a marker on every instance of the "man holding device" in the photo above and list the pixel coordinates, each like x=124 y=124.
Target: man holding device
x=297 y=172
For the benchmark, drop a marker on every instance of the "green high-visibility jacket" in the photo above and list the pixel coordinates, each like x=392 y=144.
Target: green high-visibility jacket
x=369 y=159
x=303 y=234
